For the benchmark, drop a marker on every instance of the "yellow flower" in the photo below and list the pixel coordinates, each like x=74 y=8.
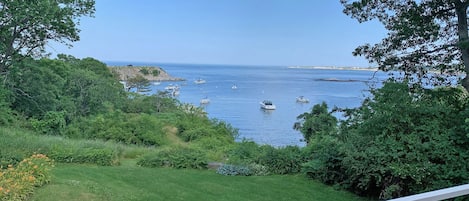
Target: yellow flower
x=35 y=167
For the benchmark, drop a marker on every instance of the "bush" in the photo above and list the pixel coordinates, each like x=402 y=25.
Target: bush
x=53 y=123
x=18 y=144
x=282 y=160
x=234 y=170
x=83 y=154
x=144 y=71
x=325 y=160
x=17 y=183
x=175 y=157
x=286 y=160
x=400 y=142
x=155 y=72
x=138 y=129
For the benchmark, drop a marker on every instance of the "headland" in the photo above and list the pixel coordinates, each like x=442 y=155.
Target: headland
x=151 y=73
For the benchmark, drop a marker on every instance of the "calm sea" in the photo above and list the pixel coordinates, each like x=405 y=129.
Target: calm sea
x=240 y=107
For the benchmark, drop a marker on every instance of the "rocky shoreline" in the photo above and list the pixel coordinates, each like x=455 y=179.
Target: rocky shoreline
x=126 y=72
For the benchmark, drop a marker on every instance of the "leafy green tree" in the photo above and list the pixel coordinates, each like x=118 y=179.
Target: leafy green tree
x=155 y=72
x=422 y=34
x=140 y=83
x=41 y=86
x=317 y=122
x=402 y=143
x=26 y=26
x=144 y=71
x=37 y=87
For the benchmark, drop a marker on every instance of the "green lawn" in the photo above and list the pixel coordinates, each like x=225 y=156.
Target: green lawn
x=129 y=182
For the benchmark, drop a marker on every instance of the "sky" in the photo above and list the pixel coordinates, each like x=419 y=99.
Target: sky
x=235 y=32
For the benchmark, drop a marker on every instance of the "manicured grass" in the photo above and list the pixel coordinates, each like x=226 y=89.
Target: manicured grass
x=130 y=182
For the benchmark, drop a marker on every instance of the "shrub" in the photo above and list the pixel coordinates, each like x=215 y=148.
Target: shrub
x=325 y=162
x=18 y=144
x=138 y=129
x=79 y=154
x=244 y=152
x=53 y=123
x=234 y=170
x=284 y=160
x=401 y=141
x=144 y=71
x=155 y=72
x=281 y=160
x=175 y=157
x=17 y=183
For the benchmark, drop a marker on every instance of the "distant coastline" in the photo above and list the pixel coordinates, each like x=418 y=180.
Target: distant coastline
x=126 y=72
x=335 y=68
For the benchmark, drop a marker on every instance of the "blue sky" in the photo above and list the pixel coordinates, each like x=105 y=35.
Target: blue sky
x=246 y=32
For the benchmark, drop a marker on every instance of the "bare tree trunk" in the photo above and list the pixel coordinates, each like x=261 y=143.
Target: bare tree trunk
x=461 y=12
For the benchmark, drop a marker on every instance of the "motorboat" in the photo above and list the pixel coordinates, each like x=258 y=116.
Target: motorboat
x=234 y=86
x=302 y=99
x=172 y=87
x=267 y=105
x=175 y=92
x=205 y=100
x=200 y=81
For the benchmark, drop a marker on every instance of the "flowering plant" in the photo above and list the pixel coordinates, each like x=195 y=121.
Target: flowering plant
x=17 y=183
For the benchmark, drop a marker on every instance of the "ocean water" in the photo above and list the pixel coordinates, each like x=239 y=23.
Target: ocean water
x=241 y=107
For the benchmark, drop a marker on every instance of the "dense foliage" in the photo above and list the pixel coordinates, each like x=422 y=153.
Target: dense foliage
x=315 y=123
x=27 y=26
x=18 y=182
x=423 y=35
x=397 y=143
x=76 y=87
x=265 y=159
x=175 y=157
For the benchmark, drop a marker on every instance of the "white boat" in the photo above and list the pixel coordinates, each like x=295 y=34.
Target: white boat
x=200 y=81
x=156 y=83
x=302 y=99
x=172 y=87
x=234 y=86
x=175 y=92
x=204 y=101
x=267 y=105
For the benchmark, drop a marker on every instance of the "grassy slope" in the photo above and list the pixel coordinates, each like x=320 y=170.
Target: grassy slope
x=129 y=182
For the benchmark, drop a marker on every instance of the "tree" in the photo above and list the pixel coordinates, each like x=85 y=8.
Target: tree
x=140 y=83
x=27 y=25
x=422 y=34
x=317 y=122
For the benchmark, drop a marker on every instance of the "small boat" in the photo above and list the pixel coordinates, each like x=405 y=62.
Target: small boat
x=302 y=99
x=200 y=81
x=175 y=92
x=234 y=86
x=267 y=105
x=172 y=87
x=204 y=101
x=156 y=83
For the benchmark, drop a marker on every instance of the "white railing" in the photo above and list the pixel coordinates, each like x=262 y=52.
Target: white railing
x=441 y=194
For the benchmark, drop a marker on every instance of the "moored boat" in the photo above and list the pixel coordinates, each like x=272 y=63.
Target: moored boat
x=200 y=81
x=205 y=100
x=302 y=99
x=267 y=105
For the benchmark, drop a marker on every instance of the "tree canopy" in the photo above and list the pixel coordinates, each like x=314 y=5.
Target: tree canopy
x=423 y=35
x=27 y=25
